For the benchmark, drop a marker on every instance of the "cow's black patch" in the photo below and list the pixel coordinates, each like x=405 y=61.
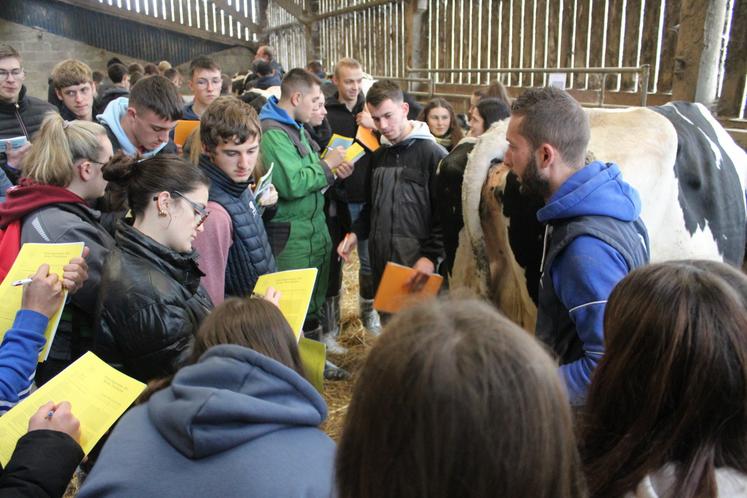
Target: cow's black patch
x=707 y=193
x=524 y=231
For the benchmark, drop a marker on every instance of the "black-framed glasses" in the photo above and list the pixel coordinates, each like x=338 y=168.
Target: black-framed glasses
x=200 y=211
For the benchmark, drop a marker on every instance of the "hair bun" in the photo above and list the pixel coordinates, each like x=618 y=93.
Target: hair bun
x=120 y=168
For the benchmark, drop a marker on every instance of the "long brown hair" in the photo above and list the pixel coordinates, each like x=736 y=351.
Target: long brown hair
x=672 y=386
x=253 y=323
x=455 y=131
x=455 y=400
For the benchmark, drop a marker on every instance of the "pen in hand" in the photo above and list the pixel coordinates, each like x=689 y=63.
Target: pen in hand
x=24 y=281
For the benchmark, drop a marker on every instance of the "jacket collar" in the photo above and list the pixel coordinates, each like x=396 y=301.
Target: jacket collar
x=182 y=267
x=220 y=180
x=20 y=105
x=334 y=101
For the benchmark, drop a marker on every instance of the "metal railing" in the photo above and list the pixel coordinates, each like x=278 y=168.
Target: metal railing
x=643 y=71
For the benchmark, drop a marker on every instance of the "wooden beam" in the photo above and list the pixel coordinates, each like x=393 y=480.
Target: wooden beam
x=348 y=10
x=295 y=10
x=736 y=64
x=95 y=6
x=242 y=17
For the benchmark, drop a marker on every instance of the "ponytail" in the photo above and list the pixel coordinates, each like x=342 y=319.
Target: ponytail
x=57 y=146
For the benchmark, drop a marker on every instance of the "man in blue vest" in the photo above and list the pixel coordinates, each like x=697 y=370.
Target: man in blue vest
x=234 y=248
x=594 y=234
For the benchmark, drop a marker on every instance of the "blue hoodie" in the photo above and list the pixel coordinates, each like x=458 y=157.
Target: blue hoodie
x=236 y=423
x=585 y=271
x=271 y=110
x=111 y=117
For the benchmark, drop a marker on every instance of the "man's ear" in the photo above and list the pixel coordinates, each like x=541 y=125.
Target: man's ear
x=58 y=93
x=547 y=155
x=406 y=108
x=296 y=98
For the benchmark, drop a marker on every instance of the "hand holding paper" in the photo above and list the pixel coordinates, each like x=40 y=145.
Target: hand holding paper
x=396 y=288
x=59 y=418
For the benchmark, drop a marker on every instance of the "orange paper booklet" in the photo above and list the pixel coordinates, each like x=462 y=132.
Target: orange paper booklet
x=393 y=293
x=367 y=137
x=183 y=129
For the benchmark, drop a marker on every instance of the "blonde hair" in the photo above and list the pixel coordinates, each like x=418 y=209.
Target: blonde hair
x=58 y=145
x=348 y=62
x=71 y=72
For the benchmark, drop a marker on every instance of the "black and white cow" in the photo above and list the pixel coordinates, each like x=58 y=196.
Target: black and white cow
x=689 y=172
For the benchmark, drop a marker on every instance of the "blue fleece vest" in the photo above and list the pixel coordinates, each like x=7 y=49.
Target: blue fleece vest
x=250 y=255
x=554 y=325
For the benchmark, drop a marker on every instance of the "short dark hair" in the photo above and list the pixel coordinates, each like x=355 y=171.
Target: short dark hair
x=97 y=76
x=114 y=60
x=262 y=68
x=492 y=110
x=384 y=90
x=151 y=69
x=297 y=80
x=316 y=68
x=6 y=51
x=552 y=116
x=469 y=397
x=228 y=118
x=157 y=94
x=202 y=62
x=135 y=68
x=116 y=72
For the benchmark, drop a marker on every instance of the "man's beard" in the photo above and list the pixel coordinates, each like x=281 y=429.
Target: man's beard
x=532 y=183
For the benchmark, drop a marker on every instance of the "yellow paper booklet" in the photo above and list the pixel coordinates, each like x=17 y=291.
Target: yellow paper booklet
x=313 y=354
x=296 y=287
x=353 y=153
x=29 y=259
x=337 y=141
x=98 y=395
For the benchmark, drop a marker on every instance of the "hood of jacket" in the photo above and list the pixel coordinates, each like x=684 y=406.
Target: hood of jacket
x=231 y=396
x=112 y=116
x=265 y=82
x=271 y=110
x=420 y=131
x=597 y=189
x=28 y=197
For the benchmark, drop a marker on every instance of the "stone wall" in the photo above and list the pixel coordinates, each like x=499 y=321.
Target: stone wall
x=41 y=50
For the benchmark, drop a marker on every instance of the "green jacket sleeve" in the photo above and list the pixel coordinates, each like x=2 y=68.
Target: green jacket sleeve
x=294 y=177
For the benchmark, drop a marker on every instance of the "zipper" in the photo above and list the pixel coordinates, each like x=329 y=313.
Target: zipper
x=20 y=122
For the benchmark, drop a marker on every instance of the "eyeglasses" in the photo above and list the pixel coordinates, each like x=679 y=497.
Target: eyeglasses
x=16 y=73
x=202 y=82
x=200 y=212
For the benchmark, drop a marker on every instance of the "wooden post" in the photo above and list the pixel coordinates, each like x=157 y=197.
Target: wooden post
x=698 y=48
x=736 y=63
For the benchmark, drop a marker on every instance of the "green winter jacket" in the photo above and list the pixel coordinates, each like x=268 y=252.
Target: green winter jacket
x=299 y=177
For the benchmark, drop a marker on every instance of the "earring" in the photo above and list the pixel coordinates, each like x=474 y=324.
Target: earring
x=162 y=213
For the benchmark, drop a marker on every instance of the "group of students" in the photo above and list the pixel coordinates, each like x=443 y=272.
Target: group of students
x=453 y=399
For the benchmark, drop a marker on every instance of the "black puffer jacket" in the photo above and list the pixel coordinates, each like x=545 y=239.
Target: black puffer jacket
x=150 y=305
x=400 y=219
x=449 y=192
x=21 y=118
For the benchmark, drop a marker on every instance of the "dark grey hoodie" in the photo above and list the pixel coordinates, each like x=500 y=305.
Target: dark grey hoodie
x=236 y=423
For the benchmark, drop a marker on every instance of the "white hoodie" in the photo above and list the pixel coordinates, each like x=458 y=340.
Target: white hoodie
x=730 y=483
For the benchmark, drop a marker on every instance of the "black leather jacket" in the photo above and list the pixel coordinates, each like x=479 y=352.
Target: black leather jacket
x=150 y=305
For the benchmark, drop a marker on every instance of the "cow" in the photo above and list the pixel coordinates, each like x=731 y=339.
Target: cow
x=690 y=174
